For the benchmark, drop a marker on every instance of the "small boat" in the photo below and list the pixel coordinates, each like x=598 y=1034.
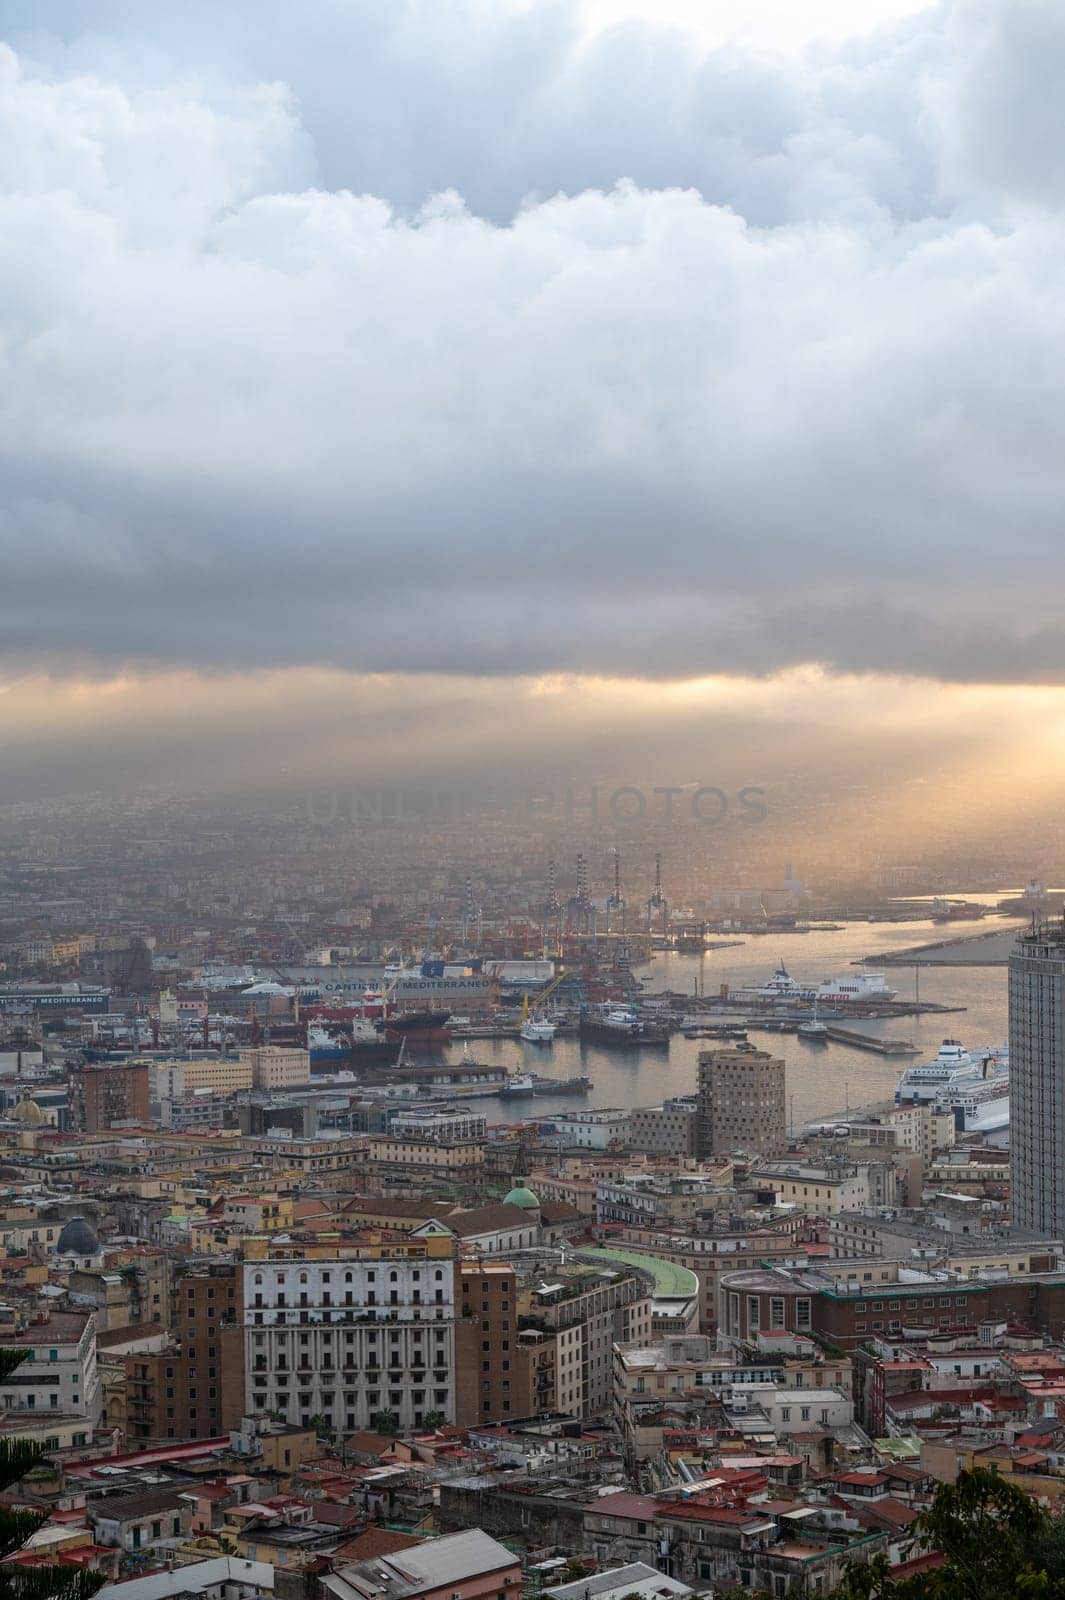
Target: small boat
x=537 y=1030
x=518 y=1086
x=813 y=1029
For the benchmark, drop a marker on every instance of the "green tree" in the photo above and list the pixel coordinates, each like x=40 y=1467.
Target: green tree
x=992 y=1535
x=17 y=1458
x=381 y=1422
x=321 y=1427
x=434 y=1419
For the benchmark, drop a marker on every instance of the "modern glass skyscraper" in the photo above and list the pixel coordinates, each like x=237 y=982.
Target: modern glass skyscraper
x=1037 y=1079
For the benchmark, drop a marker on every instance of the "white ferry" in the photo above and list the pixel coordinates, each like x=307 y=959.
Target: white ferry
x=834 y=991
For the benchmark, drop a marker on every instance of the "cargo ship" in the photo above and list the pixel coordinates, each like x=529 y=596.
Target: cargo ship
x=334 y=1036
x=417 y=1028
x=956 y=911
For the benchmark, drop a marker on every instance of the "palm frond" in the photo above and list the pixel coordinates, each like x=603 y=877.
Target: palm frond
x=48 y=1583
x=15 y=1528
x=17 y=1457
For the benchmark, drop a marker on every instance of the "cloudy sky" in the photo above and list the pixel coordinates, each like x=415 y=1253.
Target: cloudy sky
x=408 y=348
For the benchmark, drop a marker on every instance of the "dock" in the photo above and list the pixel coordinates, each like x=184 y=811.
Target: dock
x=871 y=1041
x=991 y=948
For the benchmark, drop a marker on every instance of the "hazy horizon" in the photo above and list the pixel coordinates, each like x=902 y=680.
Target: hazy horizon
x=542 y=388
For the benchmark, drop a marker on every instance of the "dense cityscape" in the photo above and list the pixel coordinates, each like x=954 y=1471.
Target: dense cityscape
x=321 y=1266
x=532 y=874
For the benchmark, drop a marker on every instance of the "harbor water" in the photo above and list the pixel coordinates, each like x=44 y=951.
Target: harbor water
x=822 y=1079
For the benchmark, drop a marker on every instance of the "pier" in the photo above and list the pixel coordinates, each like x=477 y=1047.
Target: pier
x=870 y=1041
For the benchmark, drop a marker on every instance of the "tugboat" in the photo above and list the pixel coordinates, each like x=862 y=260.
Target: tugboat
x=813 y=1030
x=520 y=1085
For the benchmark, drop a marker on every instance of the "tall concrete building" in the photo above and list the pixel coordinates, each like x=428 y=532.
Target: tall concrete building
x=1037 y=1079
x=742 y=1102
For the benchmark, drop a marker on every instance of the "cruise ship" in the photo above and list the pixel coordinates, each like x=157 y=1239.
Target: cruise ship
x=832 y=991
x=972 y=1085
x=954 y=1071
x=984 y=1110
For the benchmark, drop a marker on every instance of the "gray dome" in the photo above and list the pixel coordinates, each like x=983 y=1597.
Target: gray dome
x=78 y=1238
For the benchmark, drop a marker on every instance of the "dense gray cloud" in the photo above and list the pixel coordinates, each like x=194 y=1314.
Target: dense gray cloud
x=432 y=337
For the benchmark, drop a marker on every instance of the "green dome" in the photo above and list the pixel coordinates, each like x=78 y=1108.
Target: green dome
x=523 y=1197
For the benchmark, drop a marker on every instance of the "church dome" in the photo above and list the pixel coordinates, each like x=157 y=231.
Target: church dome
x=523 y=1197
x=29 y=1112
x=78 y=1238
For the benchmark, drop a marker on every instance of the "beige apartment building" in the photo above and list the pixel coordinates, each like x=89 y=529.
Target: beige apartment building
x=668 y=1129
x=423 y=1156
x=276 y=1066
x=582 y=1313
x=824 y=1191
x=220 y=1074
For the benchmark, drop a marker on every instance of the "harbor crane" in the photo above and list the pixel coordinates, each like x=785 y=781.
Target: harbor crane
x=656 y=902
x=616 y=901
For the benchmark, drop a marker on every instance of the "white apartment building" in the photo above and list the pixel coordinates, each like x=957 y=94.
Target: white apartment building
x=59 y=1373
x=592 y=1130
x=445 y=1127
x=347 y=1337
x=803 y=1410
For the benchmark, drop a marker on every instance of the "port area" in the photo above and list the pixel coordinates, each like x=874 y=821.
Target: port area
x=991 y=949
